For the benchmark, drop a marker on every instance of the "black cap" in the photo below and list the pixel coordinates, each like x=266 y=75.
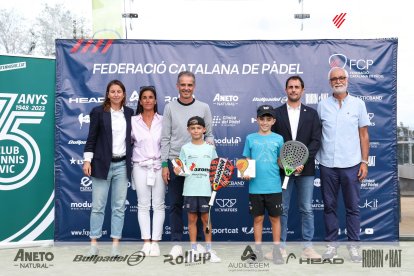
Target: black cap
x=265 y=110
x=196 y=120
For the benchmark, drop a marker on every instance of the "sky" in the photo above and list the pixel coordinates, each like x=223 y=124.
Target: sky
x=264 y=19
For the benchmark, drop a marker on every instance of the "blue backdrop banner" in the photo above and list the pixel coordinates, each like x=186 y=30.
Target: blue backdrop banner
x=234 y=78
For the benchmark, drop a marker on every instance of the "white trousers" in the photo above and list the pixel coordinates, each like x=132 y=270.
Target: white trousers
x=146 y=195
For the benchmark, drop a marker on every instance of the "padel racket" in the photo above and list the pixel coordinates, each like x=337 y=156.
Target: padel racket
x=242 y=165
x=292 y=155
x=221 y=170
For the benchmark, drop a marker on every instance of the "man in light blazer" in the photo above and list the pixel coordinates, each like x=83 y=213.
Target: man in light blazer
x=296 y=121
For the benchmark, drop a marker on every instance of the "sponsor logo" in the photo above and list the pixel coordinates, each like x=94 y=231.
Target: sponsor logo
x=370 y=117
x=317 y=204
x=371 y=161
x=376 y=257
x=367 y=231
x=85 y=184
x=236 y=183
x=80 y=206
x=169 y=99
x=12 y=66
x=357 y=67
x=248 y=230
x=85 y=232
x=93 y=46
x=131 y=260
x=167 y=230
x=375 y=99
x=369 y=184
x=317 y=182
x=225 y=231
x=372 y=204
x=226 y=141
x=78 y=100
x=20 y=153
x=339 y=19
x=76 y=142
x=130 y=207
x=225 y=121
x=282 y=100
x=83 y=119
x=374 y=145
x=74 y=161
x=189 y=258
x=226 y=205
x=33 y=259
x=225 y=100
x=315 y=98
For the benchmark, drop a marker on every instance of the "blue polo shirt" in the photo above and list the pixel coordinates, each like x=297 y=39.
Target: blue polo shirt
x=340 y=146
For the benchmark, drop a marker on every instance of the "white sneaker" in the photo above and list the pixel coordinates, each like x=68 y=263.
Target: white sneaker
x=176 y=251
x=155 y=250
x=146 y=248
x=201 y=249
x=213 y=257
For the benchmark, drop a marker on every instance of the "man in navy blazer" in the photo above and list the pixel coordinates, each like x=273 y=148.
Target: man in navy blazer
x=296 y=121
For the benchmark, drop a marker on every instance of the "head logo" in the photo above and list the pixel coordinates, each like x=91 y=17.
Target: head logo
x=338 y=60
x=83 y=119
x=339 y=19
x=291 y=255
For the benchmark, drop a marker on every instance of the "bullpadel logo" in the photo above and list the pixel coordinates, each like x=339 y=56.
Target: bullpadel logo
x=20 y=155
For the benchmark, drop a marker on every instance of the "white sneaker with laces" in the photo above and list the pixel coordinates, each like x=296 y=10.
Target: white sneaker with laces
x=146 y=248
x=155 y=250
x=176 y=251
x=213 y=257
x=200 y=248
x=330 y=253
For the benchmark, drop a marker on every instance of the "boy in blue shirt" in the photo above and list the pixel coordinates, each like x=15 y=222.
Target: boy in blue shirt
x=265 y=190
x=197 y=156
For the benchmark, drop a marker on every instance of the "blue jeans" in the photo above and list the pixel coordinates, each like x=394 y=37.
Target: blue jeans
x=304 y=191
x=117 y=178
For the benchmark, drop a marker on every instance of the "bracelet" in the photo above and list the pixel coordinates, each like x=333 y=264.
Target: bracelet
x=164 y=164
x=365 y=162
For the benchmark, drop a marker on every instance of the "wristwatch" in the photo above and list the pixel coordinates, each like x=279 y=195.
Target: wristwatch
x=365 y=162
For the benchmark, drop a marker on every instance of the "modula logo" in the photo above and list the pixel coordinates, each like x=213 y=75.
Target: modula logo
x=20 y=154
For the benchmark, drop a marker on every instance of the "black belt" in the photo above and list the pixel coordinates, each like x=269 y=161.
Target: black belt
x=118 y=159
